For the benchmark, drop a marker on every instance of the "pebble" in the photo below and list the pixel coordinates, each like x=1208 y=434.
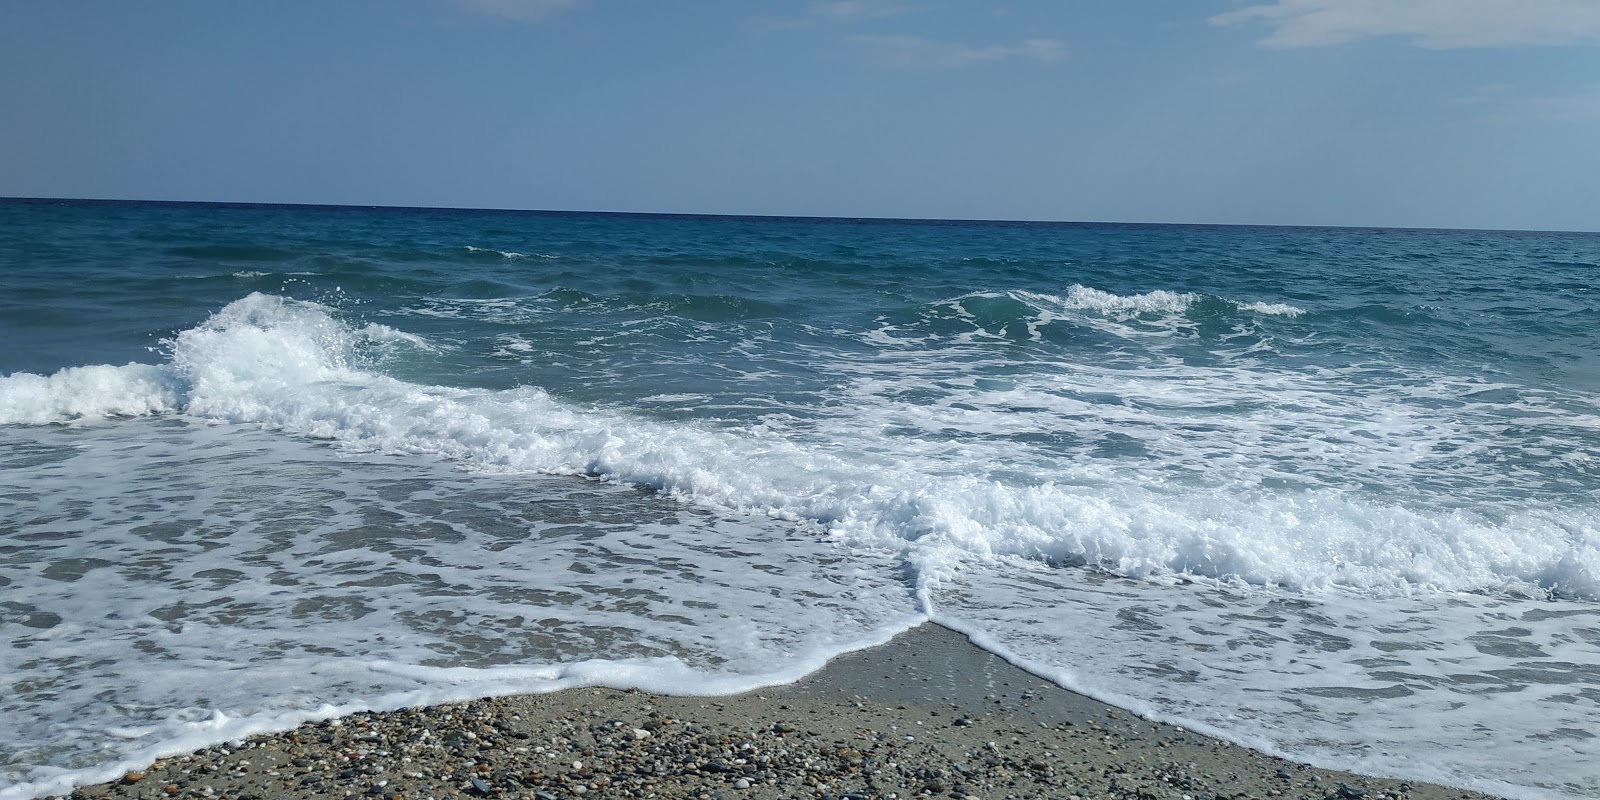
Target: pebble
x=563 y=746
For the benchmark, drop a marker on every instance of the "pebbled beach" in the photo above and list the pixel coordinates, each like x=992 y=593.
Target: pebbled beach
x=927 y=714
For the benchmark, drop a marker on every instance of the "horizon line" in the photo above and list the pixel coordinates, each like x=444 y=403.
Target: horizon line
x=248 y=204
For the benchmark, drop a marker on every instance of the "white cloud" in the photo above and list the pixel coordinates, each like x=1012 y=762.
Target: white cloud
x=916 y=52
x=522 y=10
x=1438 y=24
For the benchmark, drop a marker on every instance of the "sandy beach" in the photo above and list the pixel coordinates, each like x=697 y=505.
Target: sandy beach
x=928 y=714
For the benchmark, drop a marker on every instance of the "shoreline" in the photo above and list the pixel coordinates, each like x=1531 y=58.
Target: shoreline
x=928 y=714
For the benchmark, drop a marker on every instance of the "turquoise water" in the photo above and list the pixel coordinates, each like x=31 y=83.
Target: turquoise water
x=1329 y=492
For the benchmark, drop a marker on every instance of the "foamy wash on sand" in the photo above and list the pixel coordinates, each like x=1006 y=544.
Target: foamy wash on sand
x=1331 y=493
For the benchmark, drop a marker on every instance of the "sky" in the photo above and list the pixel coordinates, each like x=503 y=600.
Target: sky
x=1404 y=113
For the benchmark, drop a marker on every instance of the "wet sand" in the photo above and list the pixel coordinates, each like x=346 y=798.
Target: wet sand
x=927 y=714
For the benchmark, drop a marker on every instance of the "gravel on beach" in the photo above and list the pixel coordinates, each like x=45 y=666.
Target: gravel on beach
x=928 y=715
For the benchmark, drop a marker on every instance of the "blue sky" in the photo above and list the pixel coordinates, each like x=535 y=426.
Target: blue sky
x=1437 y=113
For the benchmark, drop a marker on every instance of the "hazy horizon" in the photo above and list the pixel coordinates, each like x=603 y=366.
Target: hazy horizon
x=1458 y=114
x=798 y=217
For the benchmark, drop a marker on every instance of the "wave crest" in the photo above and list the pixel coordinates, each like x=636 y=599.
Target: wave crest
x=131 y=390
x=1084 y=298
x=1159 y=301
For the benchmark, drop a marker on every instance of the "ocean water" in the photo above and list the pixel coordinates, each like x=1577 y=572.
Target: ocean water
x=1332 y=493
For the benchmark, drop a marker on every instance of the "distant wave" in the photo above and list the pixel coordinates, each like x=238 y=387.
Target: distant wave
x=1272 y=309
x=700 y=307
x=1019 y=314
x=1084 y=298
x=1159 y=301
x=508 y=254
x=1081 y=299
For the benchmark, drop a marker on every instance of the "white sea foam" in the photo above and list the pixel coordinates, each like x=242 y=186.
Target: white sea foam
x=503 y=253
x=178 y=583
x=1159 y=301
x=1149 y=317
x=89 y=392
x=1272 y=309
x=1199 y=502
x=497 y=310
x=385 y=335
x=509 y=254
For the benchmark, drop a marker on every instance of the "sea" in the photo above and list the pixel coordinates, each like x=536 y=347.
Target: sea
x=1332 y=493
